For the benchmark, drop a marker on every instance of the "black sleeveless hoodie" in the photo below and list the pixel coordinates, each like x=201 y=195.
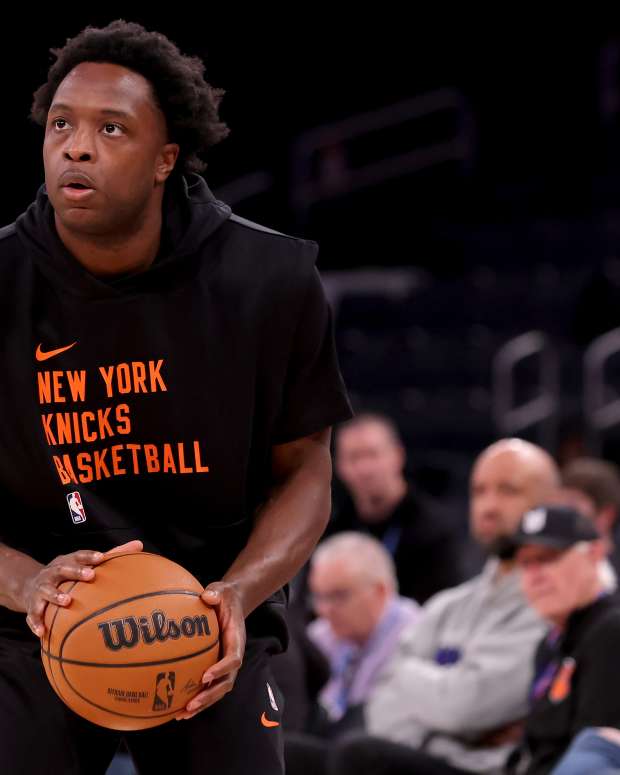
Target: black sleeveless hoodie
x=146 y=406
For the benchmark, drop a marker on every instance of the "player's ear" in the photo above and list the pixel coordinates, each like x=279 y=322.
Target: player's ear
x=166 y=162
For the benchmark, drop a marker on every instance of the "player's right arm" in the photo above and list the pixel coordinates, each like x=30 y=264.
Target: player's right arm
x=28 y=586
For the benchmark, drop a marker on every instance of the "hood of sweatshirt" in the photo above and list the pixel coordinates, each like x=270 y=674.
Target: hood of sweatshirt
x=191 y=216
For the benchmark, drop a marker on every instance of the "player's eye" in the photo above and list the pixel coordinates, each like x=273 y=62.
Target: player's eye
x=113 y=130
x=59 y=123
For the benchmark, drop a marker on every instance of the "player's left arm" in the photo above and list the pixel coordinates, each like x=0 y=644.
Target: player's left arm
x=285 y=532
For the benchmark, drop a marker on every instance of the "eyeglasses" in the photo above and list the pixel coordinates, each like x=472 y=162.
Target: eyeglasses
x=333 y=597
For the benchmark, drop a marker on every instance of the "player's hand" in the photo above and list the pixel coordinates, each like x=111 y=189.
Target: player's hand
x=220 y=678
x=42 y=588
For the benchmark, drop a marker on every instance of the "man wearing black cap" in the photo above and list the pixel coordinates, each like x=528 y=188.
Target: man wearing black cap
x=577 y=683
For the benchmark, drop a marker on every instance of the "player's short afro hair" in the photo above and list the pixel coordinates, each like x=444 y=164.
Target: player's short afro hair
x=189 y=104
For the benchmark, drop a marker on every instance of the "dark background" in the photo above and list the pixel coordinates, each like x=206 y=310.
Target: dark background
x=520 y=233
x=544 y=101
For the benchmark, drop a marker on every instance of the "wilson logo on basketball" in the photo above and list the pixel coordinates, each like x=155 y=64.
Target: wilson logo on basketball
x=128 y=632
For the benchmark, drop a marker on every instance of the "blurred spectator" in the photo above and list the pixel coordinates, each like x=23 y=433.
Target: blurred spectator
x=355 y=595
x=121 y=764
x=577 y=683
x=370 y=462
x=452 y=698
x=592 y=751
x=592 y=486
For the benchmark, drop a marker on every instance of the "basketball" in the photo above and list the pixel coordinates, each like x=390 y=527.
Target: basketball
x=130 y=650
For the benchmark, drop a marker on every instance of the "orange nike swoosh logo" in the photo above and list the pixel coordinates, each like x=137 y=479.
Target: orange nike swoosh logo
x=267 y=723
x=43 y=356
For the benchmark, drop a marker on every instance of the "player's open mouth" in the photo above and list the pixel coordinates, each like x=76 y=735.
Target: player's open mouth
x=77 y=191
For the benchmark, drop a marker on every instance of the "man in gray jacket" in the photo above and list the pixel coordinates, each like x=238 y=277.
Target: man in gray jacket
x=452 y=698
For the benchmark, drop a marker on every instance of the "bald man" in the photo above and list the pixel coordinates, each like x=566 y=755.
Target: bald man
x=507 y=479
x=451 y=698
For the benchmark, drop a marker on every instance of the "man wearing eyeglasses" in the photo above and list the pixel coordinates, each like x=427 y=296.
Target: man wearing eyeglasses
x=360 y=617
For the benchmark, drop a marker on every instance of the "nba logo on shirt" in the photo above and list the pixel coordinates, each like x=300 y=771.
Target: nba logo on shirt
x=75 y=508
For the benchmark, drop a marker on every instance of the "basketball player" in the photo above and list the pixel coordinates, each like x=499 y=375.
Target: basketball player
x=170 y=368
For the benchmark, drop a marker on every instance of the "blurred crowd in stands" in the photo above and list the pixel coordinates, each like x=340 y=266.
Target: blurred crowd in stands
x=414 y=651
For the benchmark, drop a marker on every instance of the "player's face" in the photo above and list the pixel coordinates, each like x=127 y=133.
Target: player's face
x=105 y=129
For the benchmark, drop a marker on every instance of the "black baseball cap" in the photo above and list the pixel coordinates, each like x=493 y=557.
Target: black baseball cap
x=559 y=527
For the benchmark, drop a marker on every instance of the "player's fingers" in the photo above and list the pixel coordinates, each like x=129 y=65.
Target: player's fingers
x=208 y=697
x=185 y=716
x=36 y=625
x=212 y=597
x=230 y=663
x=42 y=596
x=37 y=609
x=81 y=557
x=68 y=571
x=130 y=546
x=51 y=594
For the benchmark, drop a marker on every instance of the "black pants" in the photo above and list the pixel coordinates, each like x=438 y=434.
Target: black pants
x=365 y=755
x=39 y=735
x=359 y=754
